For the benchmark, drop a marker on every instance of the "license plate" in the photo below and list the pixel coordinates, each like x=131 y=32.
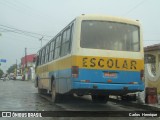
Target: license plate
x=110 y=74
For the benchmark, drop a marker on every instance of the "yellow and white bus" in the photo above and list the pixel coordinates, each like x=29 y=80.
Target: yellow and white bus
x=94 y=55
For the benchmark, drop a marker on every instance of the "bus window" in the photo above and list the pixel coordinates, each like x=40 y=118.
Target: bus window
x=109 y=36
x=135 y=43
x=57 y=47
x=43 y=56
x=51 y=54
x=39 y=58
x=65 y=42
x=36 y=59
x=71 y=37
x=47 y=53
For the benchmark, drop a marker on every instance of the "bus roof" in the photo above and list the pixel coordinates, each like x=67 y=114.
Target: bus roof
x=108 y=18
x=98 y=17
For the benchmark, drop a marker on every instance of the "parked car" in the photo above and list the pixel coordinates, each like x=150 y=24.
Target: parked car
x=12 y=78
x=2 y=78
x=19 y=77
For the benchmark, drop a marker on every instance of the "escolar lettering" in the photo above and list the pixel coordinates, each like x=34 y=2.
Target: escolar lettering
x=109 y=63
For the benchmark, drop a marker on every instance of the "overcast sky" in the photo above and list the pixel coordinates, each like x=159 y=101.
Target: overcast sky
x=48 y=17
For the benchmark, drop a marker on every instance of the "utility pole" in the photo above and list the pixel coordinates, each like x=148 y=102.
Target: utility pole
x=25 y=57
x=25 y=67
x=16 y=67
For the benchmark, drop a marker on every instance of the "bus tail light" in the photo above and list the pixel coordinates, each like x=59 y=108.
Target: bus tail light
x=142 y=74
x=75 y=71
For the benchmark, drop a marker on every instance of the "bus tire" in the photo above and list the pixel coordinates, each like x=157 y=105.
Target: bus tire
x=35 y=82
x=55 y=96
x=100 y=98
x=79 y=95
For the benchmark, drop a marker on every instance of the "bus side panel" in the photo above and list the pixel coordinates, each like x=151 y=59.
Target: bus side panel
x=43 y=78
x=64 y=81
x=62 y=73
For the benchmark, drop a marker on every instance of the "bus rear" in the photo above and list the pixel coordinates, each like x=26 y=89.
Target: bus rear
x=107 y=57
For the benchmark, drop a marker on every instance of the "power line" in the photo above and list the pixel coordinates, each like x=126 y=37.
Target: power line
x=25 y=7
x=25 y=31
x=20 y=9
x=18 y=32
x=140 y=3
x=36 y=11
x=152 y=40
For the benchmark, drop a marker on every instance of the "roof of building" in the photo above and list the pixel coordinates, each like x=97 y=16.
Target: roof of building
x=152 y=47
x=28 y=58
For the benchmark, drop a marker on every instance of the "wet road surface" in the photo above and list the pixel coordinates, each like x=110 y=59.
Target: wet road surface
x=22 y=96
x=19 y=95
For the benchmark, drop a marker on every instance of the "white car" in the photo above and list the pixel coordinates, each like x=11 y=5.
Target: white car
x=19 y=77
x=2 y=78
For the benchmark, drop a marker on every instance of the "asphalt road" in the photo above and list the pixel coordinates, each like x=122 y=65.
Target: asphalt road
x=19 y=95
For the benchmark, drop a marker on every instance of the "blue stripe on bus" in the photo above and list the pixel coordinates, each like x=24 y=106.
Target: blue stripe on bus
x=96 y=77
x=100 y=86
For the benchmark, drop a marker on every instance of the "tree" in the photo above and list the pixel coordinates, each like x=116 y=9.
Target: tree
x=1 y=73
x=11 y=69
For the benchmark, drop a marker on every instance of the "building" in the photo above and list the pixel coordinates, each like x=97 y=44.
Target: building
x=28 y=66
x=152 y=66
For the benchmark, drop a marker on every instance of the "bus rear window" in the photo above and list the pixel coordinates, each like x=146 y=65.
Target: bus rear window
x=109 y=36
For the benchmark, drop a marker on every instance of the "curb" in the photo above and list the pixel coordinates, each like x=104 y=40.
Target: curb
x=136 y=105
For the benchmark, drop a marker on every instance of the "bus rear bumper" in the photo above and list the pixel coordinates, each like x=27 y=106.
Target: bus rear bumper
x=114 y=89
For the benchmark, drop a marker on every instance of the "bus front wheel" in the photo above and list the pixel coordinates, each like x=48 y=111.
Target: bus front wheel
x=100 y=98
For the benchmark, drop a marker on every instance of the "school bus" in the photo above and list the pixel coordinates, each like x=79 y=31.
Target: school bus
x=93 y=55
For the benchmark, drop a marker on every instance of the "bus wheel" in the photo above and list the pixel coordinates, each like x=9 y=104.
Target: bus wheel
x=100 y=98
x=79 y=95
x=55 y=95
